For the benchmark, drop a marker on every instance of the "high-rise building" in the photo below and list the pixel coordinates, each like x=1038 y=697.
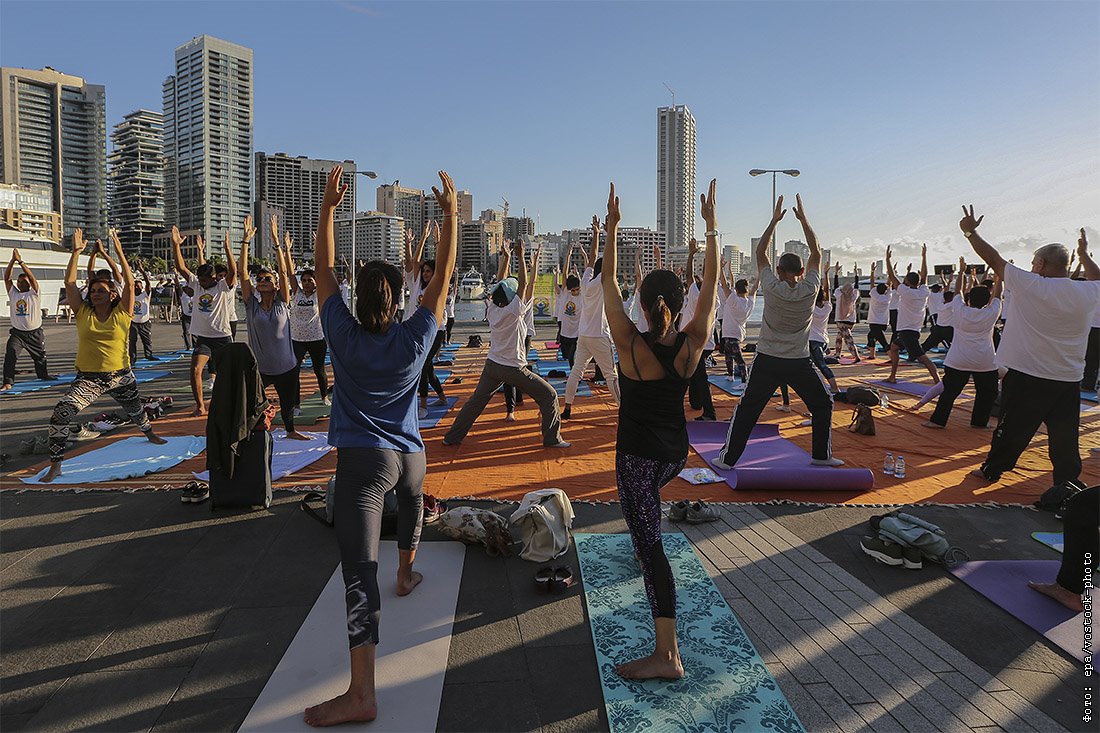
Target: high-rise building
x=676 y=200
x=137 y=180
x=297 y=185
x=30 y=209
x=418 y=208
x=798 y=247
x=735 y=257
x=53 y=133
x=518 y=226
x=479 y=246
x=208 y=138
x=378 y=236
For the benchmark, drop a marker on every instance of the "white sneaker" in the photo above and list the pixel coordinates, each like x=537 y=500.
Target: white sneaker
x=326 y=401
x=720 y=465
x=826 y=462
x=560 y=444
x=208 y=385
x=102 y=426
x=83 y=434
x=297 y=411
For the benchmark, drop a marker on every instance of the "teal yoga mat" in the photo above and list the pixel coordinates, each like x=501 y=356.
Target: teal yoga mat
x=1053 y=540
x=726 y=686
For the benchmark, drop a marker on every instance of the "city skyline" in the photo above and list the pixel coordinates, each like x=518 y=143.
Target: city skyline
x=890 y=137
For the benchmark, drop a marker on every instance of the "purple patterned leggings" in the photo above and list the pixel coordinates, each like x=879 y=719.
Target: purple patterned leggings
x=640 y=481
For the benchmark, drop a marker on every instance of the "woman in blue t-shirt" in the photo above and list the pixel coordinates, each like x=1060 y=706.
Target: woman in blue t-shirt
x=377 y=362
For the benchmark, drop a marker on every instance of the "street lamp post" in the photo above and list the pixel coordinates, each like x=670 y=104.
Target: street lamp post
x=351 y=268
x=790 y=172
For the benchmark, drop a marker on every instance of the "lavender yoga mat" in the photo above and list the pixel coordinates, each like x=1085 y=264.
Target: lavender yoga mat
x=1005 y=583
x=914 y=388
x=771 y=462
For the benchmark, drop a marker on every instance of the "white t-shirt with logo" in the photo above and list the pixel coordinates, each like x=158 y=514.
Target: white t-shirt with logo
x=911 y=305
x=142 y=313
x=819 y=322
x=305 y=317
x=211 y=309
x=972 y=344
x=506 y=332
x=1049 y=329
x=735 y=314
x=569 y=313
x=187 y=305
x=412 y=282
x=25 y=309
x=593 y=319
x=878 y=312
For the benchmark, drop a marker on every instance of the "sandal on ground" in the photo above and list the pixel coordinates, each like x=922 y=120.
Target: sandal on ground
x=562 y=580
x=543 y=576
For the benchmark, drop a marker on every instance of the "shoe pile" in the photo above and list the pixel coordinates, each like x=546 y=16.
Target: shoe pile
x=907 y=540
x=692 y=513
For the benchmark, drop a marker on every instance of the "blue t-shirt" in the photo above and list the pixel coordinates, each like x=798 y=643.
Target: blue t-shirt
x=377 y=375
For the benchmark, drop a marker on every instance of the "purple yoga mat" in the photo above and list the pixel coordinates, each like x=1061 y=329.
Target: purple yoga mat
x=1005 y=583
x=772 y=463
x=914 y=388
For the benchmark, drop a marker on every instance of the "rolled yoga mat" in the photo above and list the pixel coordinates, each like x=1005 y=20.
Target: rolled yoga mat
x=1005 y=583
x=415 y=642
x=131 y=457
x=725 y=686
x=771 y=462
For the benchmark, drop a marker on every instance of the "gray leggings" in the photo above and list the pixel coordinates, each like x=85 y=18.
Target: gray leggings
x=363 y=476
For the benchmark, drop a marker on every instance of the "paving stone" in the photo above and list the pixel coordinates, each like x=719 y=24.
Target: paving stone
x=877 y=718
x=203 y=714
x=14 y=723
x=809 y=712
x=571 y=673
x=93 y=700
x=1025 y=710
x=505 y=705
x=843 y=714
x=766 y=637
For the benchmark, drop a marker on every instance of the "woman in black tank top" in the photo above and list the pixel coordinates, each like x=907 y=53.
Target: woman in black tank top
x=652 y=443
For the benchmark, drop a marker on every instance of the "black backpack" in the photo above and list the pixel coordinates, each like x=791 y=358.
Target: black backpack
x=1057 y=497
x=861 y=396
x=474 y=342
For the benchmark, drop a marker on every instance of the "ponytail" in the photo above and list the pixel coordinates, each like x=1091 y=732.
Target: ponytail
x=377 y=289
x=660 y=318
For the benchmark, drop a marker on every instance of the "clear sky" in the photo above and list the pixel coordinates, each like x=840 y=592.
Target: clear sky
x=896 y=112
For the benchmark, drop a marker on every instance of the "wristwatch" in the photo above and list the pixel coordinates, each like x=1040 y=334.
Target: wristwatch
x=711 y=233
x=968 y=235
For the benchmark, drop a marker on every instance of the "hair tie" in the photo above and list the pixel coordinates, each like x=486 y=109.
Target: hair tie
x=661 y=298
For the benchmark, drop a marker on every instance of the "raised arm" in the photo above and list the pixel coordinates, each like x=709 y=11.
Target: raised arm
x=281 y=258
x=959 y=279
x=249 y=232
x=891 y=276
x=722 y=281
x=1092 y=272
x=534 y=273
x=637 y=268
x=658 y=260
x=594 y=249
x=874 y=265
x=991 y=257
x=567 y=264
x=127 y=299
x=409 y=263
x=115 y=274
x=762 y=261
x=998 y=286
x=521 y=271
x=446 y=246
x=288 y=262
x=505 y=260
x=72 y=290
x=701 y=324
x=923 y=264
x=622 y=328
x=814 y=262
x=177 y=253
x=8 y=270
x=246 y=280
x=26 y=271
x=324 y=249
x=689 y=270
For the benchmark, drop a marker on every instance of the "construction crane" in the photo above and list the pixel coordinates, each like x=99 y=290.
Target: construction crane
x=505 y=206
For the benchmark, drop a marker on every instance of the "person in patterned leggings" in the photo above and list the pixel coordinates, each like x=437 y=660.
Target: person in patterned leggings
x=652 y=442
x=102 y=362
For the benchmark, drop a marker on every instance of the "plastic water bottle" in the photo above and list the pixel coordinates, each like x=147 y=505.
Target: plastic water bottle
x=899 y=467
x=888 y=465
x=883 y=400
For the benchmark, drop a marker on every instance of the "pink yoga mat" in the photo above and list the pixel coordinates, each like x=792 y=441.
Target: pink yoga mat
x=553 y=345
x=1005 y=583
x=771 y=462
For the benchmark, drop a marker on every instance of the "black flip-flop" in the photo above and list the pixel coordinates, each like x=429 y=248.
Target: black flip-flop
x=562 y=580
x=543 y=578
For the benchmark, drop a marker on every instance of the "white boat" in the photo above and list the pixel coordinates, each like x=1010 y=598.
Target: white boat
x=471 y=286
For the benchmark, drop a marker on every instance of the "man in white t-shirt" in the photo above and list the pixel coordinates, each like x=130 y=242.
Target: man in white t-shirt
x=25 y=309
x=736 y=309
x=939 y=302
x=1043 y=350
x=213 y=301
x=506 y=363
x=878 y=313
x=568 y=308
x=912 y=300
x=594 y=339
x=141 y=326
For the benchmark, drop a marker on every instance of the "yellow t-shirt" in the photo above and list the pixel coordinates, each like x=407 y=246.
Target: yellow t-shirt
x=101 y=345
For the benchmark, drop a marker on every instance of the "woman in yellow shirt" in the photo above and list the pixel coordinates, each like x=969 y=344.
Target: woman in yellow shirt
x=102 y=361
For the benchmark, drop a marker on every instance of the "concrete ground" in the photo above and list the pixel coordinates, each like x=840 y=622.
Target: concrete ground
x=134 y=612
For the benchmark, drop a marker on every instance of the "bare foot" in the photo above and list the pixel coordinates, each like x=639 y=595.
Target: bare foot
x=652 y=667
x=934 y=426
x=155 y=439
x=199 y=411
x=405 y=585
x=54 y=472
x=1067 y=598
x=5 y=388
x=982 y=427
x=346 y=708
x=891 y=380
x=295 y=435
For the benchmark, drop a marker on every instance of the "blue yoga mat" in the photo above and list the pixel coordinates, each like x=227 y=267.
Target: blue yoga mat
x=1053 y=540
x=544 y=367
x=161 y=359
x=583 y=390
x=436 y=413
x=34 y=385
x=127 y=458
x=443 y=374
x=150 y=375
x=726 y=686
x=735 y=388
x=1090 y=396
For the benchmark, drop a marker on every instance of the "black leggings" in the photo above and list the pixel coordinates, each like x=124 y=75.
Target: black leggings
x=287 y=387
x=817 y=354
x=144 y=332
x=876 y=334
x=639 y=481
x=985 y=386
x=450 y=325
x=569 y=349
x=699 y=387
x=731 y=347
x=317 y=351
x=185 y=326
x=363 y=476
x=1081 y=537
x=427 y=374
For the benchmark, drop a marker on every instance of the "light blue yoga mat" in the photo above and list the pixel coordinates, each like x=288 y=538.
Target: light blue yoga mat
x=1090 y=396
x=735 y=388
x=726 y=686
x=127 y=458
x=545 y=366
x=1053 y=540
x=161 y=359
x=436 y=413
x=34 y=385
x=150 y=375
x=583 y=390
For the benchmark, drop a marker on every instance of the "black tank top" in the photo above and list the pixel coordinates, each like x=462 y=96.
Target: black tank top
x=651 y=412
